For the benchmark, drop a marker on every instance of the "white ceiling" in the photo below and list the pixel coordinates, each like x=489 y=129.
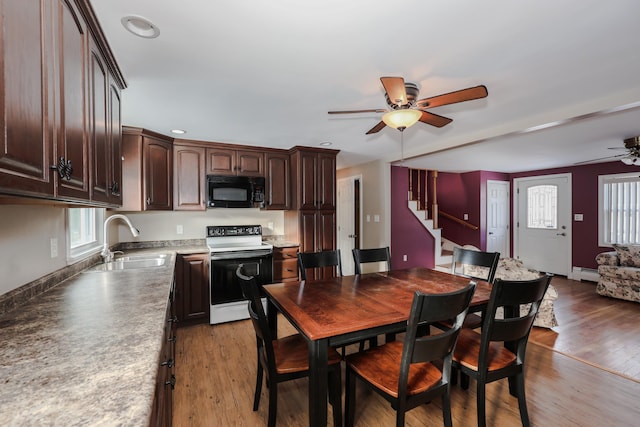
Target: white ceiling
x=265 y=73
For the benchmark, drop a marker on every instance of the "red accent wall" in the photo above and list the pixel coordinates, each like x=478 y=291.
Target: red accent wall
x=584 y=179
x=465 y=193
x=408 y=235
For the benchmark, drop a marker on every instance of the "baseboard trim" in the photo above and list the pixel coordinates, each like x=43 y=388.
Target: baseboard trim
x=587 y=274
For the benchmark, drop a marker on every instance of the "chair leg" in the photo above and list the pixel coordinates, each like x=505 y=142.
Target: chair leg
x=446 y=408
x=273 y=404
x=335 y=395
x=522 y=401
x=464 y=380
x=350 y=399
x=481 y=410
x=256 y=396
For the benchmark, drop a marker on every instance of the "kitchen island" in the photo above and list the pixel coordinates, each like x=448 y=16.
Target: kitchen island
x=87 y=351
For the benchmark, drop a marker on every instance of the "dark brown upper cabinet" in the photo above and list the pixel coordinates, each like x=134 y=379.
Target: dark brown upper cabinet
x=189 y=184
x=147 y=170
x=278 y=181
x=46 y=77
x=229 y=161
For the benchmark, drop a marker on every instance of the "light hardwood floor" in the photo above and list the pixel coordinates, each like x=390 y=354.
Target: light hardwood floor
x=585 y=372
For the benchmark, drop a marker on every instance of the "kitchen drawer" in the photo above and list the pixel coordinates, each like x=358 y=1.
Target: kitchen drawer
x=285 y=269
x=285 y=253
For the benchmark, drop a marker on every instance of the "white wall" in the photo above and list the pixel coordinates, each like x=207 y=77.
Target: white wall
x=162 y=225
x=376 y=196
x=25 y=243
x=26 y=232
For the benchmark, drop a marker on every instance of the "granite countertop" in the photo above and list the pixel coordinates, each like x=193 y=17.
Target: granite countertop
x=282 y=243
x=86 y=352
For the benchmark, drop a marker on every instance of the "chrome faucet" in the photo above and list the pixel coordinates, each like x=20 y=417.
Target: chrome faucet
x=107 y=255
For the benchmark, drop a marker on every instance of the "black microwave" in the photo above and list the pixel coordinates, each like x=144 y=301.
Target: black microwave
x=235 y=191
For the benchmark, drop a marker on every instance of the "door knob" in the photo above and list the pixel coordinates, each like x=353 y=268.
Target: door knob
x=561 y=234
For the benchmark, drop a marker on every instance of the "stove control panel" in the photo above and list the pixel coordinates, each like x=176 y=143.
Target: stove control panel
x=234 y=230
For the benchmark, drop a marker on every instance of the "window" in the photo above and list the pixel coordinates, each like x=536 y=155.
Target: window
x=85 y=231
x=542 y=201
x=619 y=209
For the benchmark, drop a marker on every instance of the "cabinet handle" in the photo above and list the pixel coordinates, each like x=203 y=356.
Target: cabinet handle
x=171 y=382
x=173 y=319
x=115 y=188
x=148 y=201
x=168 y=363
x=64 y=168
x=173 y=339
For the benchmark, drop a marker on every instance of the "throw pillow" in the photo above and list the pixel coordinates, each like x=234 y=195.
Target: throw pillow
x=629 y=255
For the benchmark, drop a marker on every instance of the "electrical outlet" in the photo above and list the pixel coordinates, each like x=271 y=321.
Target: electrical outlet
x=465 y=217
x=179 y=229
x=54 y=247
x=578 y=217
x=404 y=257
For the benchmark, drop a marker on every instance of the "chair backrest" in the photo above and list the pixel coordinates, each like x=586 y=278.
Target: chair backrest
x=371 y=255
x=520 y=301
x=475 y=264
x=319 y=260
x=428 y=309
x=264 y=339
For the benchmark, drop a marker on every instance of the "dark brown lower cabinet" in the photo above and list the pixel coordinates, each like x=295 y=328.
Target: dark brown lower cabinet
x=162 y=409
x=285 y=264
x=192 y=288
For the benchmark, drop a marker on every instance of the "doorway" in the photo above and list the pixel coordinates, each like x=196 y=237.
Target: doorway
x=542 y=207
x=498 y=215
x=349 y=220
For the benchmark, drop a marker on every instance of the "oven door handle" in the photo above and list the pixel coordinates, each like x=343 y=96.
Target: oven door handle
x=241 y=255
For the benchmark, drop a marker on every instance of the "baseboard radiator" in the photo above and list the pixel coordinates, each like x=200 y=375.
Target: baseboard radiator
x=587 y=274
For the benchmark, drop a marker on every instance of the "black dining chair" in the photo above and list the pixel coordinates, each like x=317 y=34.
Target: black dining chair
x=285 y=358
x=307 y=260
x=361 y=256
x=474 y=265
x=499 y=350
x=413 y=372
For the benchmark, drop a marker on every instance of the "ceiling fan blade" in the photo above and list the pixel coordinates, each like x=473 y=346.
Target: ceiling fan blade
x=377 y=128
x=394 y=86
x=376 y=110
x=467 y=94
x=601 y=158
x=434 y=119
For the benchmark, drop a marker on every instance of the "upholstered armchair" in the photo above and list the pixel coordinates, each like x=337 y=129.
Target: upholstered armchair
x=619 y=272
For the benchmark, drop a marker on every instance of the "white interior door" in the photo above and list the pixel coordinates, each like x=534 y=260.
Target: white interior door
x=543 y=233
x=346 y=223
x=498 y=217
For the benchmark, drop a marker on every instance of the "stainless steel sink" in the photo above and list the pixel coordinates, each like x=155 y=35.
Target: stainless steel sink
x=133 y=262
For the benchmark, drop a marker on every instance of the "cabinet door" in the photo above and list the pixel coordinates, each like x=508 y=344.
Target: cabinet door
x=326 y=230
x=192 y=288
x=249 y=163
x=278 y=182
x=326 y=181
x=26 y=135
x=99 y=125
x=221 y=161
x=189 y=178
x=307 y=180
x=71 y=87
x=115 y=137
x=158 y=176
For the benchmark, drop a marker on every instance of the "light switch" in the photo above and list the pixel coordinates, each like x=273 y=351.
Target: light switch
x=368 y=218
x=465 y=217
x=54 y=247
x=376 y=218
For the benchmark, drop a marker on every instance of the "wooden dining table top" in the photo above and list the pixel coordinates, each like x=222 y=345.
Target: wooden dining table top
x=342 y=305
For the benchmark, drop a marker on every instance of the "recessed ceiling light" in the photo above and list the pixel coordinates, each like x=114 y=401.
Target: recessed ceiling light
x=326 y=143
x=178 y=131
x=140 y=26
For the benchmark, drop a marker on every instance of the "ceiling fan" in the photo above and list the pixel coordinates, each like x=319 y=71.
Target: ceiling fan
x=631 y=157
x=405 y=109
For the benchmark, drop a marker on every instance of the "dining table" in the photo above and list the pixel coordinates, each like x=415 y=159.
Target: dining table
x=343 y=310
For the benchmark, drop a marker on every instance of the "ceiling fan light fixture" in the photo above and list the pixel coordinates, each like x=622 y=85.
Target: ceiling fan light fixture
x=631 y=159
x=401 y=119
